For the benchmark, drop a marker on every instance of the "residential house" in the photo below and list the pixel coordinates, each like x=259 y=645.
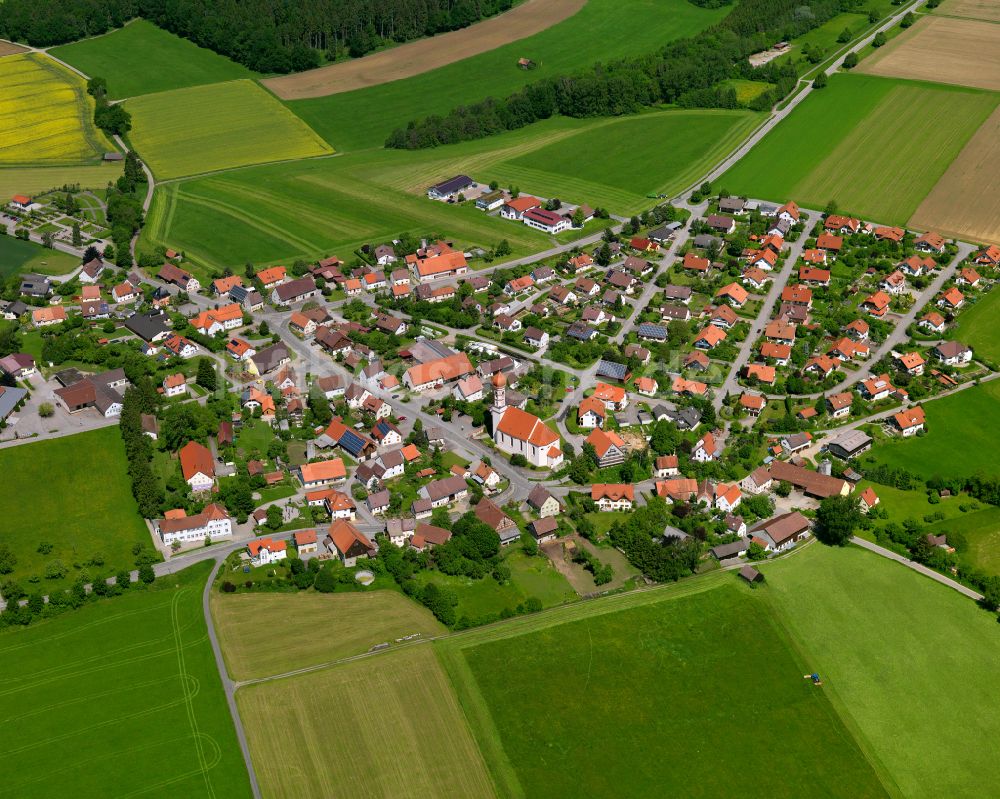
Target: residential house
x=609 y=447
x=705 y=449
x=666 y=466
x=952 y=299
x=515 y=207
x=197 y=466
x=213 y=523
x=839 y=405
x=613 y=497
x=784 y=531
x=491 y=514
x=265 y=551
x=348 y=543
x=953 y=353
x=543 y=502
x=174 y=385
x=910 y=421
x=445 y=491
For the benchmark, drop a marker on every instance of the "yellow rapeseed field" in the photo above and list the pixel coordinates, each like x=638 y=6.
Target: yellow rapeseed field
x=46 y=116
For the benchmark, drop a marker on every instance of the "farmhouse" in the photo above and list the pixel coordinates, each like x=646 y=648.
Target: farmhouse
x=438 y=267
x=784 y=531
x=98 y=391
x=850 y=444
x=812 y=483
x=294 y=291
x=491 y=514
x=435 y=373
x=515 y=208
x=171 y=273
x=321 y=473
x=197 y=466
x=348 y=543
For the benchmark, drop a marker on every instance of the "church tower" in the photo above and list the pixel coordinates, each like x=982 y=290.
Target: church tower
x=499 y=401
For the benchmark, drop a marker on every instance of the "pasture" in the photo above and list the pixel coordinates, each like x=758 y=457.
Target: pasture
x=962 y=203
x=979 y=327
x=385 y=726
x=964 y=52
x=307 y=209
x=141 y=58
x=961 y=438
x=363 y=118
x=46 y=116
x=123 y=692
x=74 y=494
x=424 y=55
x=586 y=702
x=217 y=127
x=909 y=663
x=860 y=126
x=981 y=531
x=309 y=628
x=17 y=256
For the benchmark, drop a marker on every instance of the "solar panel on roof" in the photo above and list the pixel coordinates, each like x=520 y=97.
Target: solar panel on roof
x=648 y=330
x=352 y=442
x=612 y=369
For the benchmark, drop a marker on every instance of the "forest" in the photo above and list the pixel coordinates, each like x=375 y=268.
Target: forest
x=687 y=73
x=268 y=36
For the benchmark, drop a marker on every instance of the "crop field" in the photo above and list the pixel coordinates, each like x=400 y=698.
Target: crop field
x=17 y=256
x=216 y=127
x=424 y=55
x=975 y=9
x=907 y=134
x=32 y=180
x=979 y=327
x=961 y=437
x=585 y=702
x=46 y=116
x=124 y=693
x=907 y=661
x=141 y=58
x=385 y=726
x=10 y=48
x=363 y=118
x=963 y=204
x=960 y=51
x=80 y=502
x=351 y=623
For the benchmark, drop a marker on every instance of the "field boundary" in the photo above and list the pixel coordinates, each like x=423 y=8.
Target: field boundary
x=423 y=55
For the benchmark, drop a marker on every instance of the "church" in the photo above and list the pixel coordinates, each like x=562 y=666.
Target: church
x=518 y=432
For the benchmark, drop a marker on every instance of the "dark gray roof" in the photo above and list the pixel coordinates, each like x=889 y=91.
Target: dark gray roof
x=647 y=330
x=148 y=326
x=9 y=397
x=616 y=371
x=723 y=551
x=450 y=186
x=270 y=357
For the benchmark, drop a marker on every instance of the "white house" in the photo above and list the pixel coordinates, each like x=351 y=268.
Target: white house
x=705 y=449
x=265 y=551
x=213 y=523
x=174 y=385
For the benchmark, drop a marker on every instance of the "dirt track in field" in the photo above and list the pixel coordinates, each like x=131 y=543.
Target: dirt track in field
x=965 y=202
x=9 y=48
x=975 y=9
x=943 y=50
x=423 y=55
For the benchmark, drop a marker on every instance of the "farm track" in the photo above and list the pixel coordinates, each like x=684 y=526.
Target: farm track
x=424 y=55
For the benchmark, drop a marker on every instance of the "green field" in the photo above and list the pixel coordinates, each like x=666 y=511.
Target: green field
x=981 y=530
x=831 y=146
x=216 y=127
x=121 y=697
x=351 y=623
x=910 y=664
x=74 y=494
x=602 y=30
x=32 y=180
x=979 y=327
x=17 y=256
x=961 y=437
x=616 y=164
x=387 y=726
x=142 y=58
x=704 y=678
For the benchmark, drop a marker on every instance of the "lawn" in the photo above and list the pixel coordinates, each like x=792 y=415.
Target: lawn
x=603 y=30
x=530 y=577
x=221 y=126
x=906 y=133
x=979 y=327
x=310 y=628
x=141 y=58
x=692 y=693
x=47 y=116
x=255 y=435
x=910 y=663
x=120 y=697
x=388 y=725
x=74 y=494
x=17 y=256
x=961 y=437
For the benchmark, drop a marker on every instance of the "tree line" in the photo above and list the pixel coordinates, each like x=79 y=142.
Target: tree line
x=264 y=35
x=689 y=73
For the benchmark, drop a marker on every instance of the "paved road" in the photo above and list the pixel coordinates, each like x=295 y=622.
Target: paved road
x=917 y=567
x=778 y=283
x=227 y=683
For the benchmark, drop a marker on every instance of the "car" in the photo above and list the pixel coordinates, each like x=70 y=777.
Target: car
x=395 y=396
x=402 y=418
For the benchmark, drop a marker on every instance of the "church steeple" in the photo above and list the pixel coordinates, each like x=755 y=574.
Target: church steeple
x=499 y=392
